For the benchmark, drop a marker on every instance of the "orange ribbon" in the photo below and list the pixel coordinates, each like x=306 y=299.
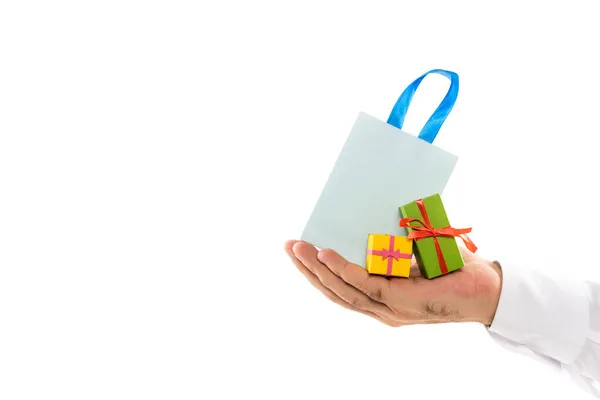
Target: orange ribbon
x=425 y=231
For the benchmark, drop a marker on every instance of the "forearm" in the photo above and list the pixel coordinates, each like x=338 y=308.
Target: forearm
x=555 y=321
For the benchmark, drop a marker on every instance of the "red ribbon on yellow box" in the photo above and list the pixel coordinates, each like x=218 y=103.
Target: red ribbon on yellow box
x=425 y=231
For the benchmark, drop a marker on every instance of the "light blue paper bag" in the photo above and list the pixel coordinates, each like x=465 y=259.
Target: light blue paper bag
x=379 y=169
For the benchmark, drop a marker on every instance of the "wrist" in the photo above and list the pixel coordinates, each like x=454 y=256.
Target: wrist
x=491 y=294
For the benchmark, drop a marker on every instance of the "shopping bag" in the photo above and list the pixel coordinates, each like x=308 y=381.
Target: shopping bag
x=380 y=168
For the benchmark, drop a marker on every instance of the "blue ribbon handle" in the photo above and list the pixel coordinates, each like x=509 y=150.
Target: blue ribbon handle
x=433 y=125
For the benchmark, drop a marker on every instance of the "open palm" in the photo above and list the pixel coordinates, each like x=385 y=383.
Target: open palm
x=468 y=295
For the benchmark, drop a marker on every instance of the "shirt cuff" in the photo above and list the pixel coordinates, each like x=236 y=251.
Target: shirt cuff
x=546 y=315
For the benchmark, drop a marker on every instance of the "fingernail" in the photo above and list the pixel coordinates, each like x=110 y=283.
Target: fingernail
x=320 y=255
x=294 y=250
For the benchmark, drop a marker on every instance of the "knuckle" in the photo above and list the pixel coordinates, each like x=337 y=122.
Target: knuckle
x=376 y=294
x=344 y=275
x=357 y=302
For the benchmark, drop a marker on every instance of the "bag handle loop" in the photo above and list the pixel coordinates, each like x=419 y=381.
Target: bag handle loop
x=433 y=125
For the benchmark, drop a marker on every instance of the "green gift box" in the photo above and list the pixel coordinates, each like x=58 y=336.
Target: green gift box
x=436 y=249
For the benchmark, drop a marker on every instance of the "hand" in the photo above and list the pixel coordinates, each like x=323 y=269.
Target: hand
x=470 y=294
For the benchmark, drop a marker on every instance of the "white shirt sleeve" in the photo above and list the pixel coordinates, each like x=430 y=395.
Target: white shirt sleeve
x=556 y=322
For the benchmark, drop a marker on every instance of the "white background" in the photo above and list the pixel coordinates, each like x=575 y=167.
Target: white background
x=154 y=157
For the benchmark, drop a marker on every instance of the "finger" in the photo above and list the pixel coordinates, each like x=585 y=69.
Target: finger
x=325 y=291
x=404 y=297
x=399 y=319
x=307 y=254
x=375 y=287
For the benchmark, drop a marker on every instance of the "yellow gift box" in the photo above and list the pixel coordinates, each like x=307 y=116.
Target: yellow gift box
x=389 y=255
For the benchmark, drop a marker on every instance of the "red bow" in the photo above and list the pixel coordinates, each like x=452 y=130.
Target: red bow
x=425 y=231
